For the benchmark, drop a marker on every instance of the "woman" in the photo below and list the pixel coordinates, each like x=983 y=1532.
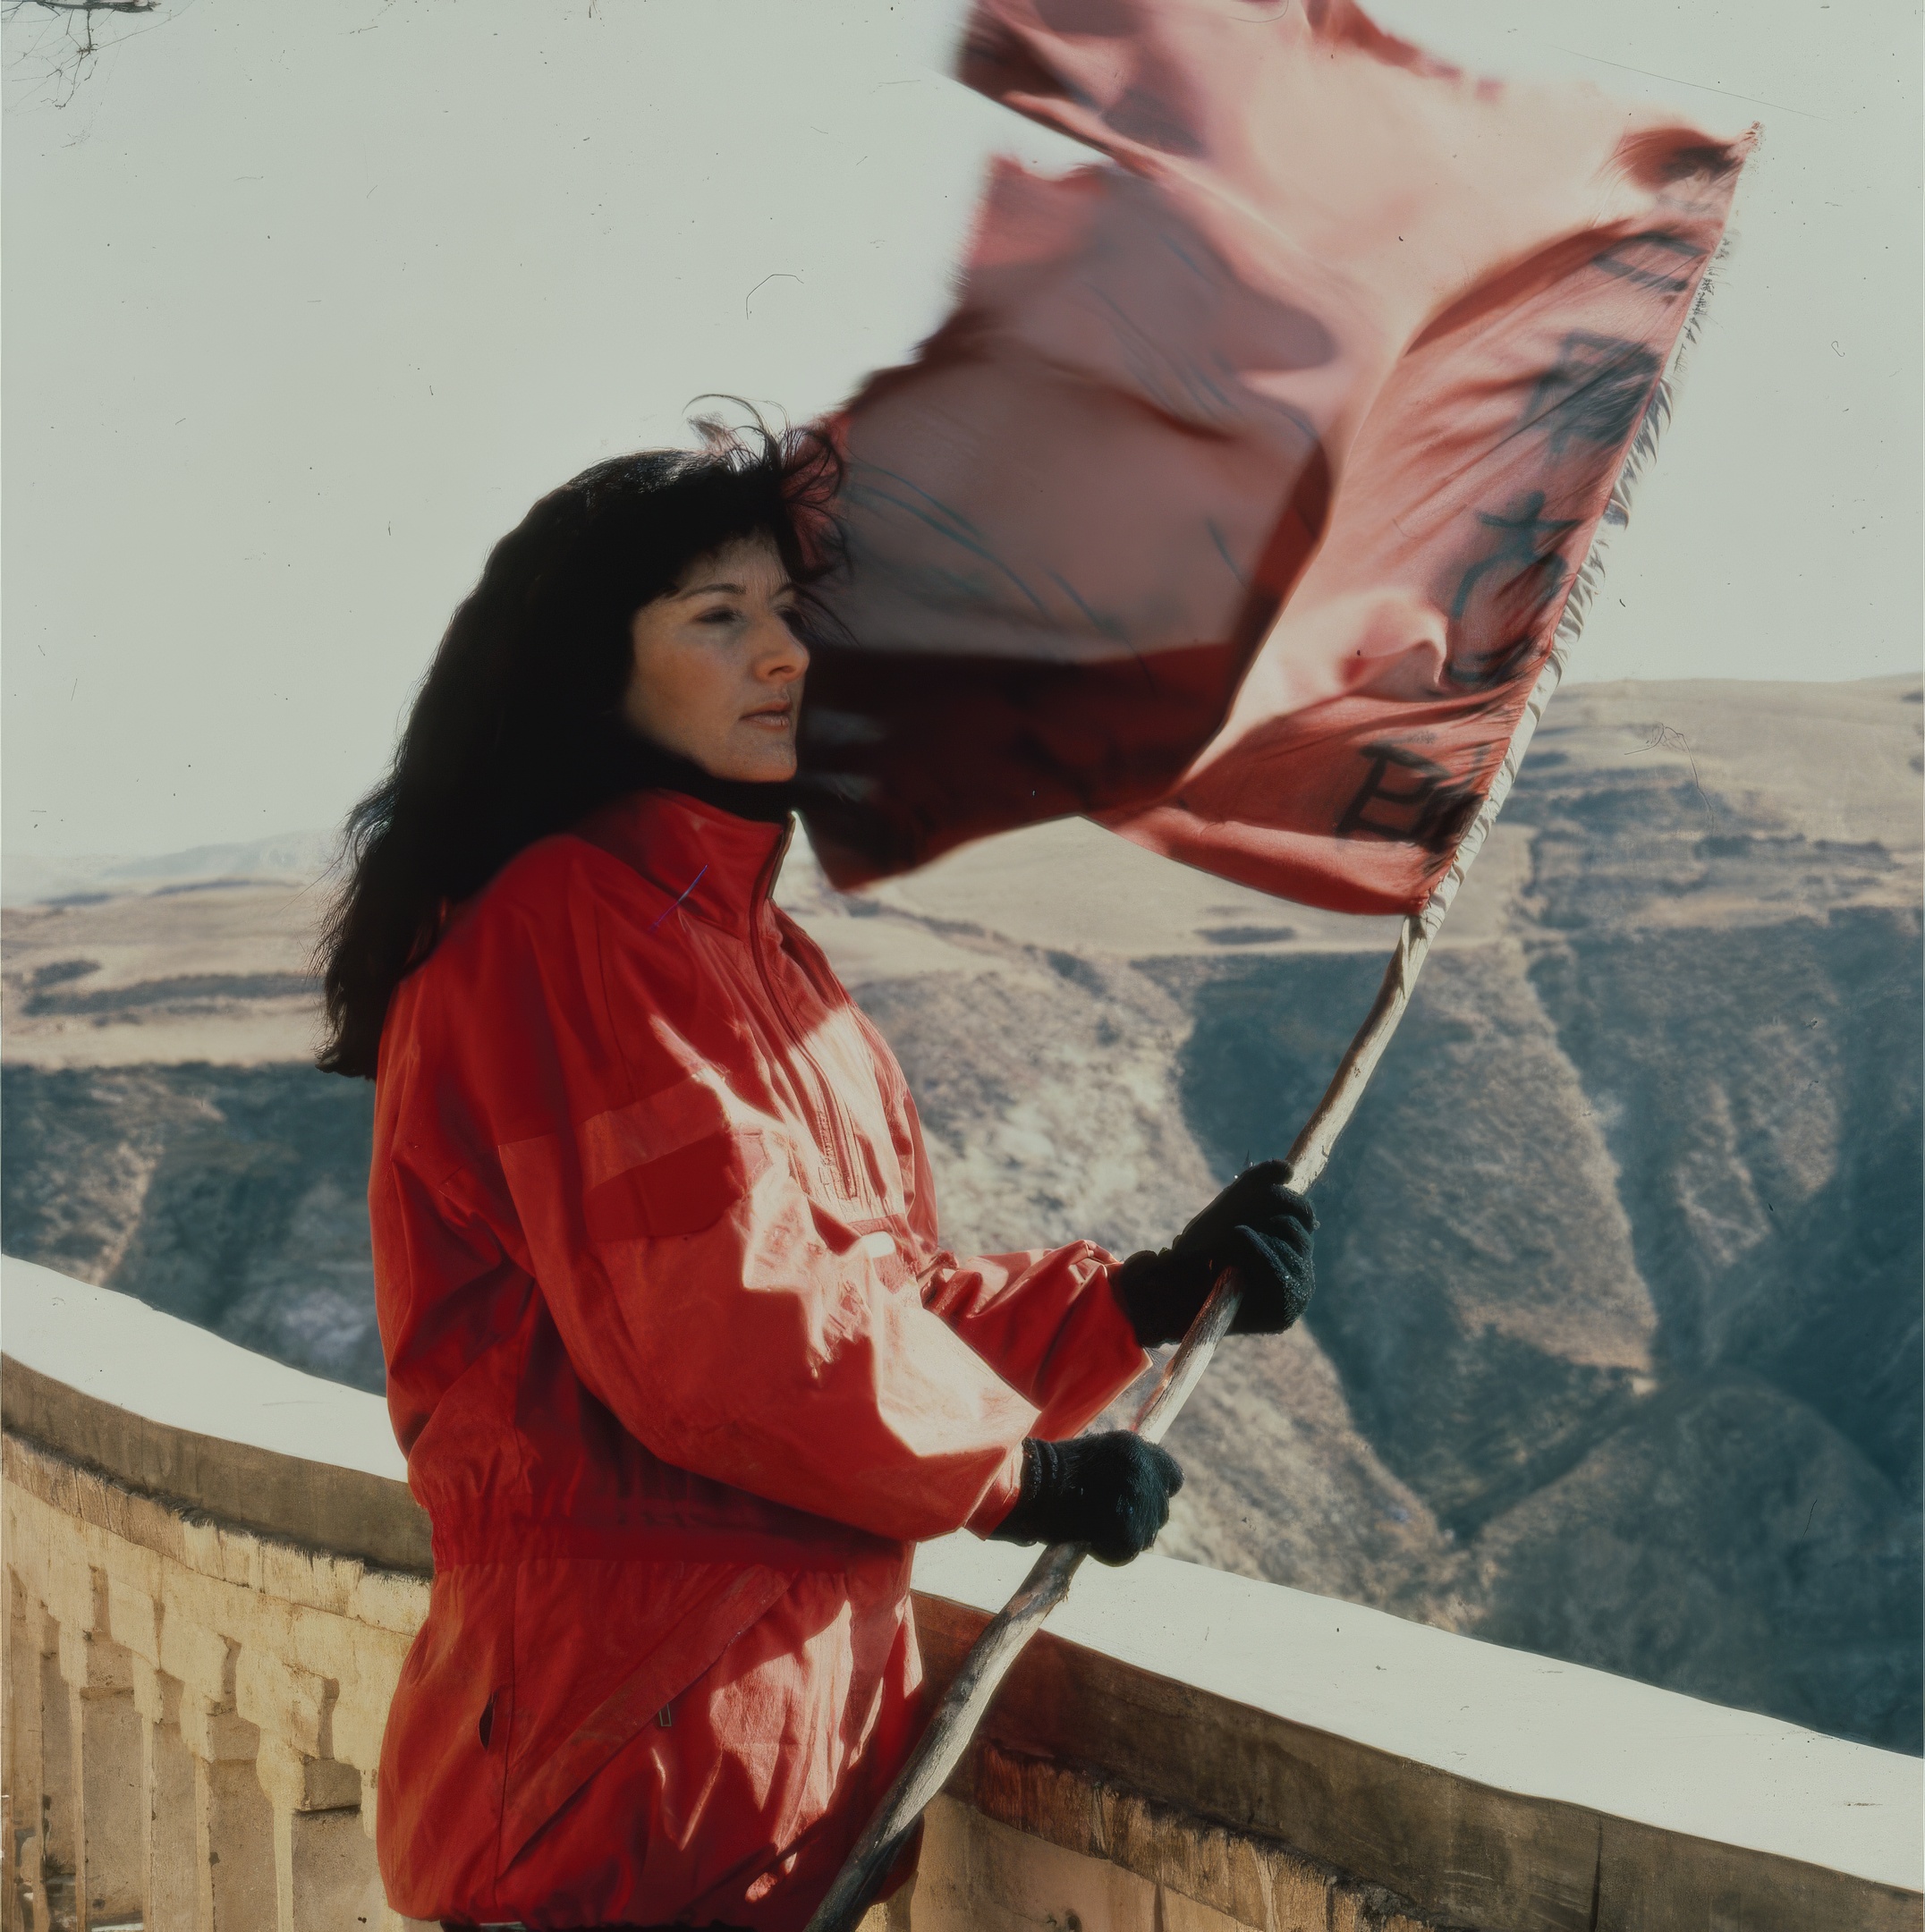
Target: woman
x=679 y=1367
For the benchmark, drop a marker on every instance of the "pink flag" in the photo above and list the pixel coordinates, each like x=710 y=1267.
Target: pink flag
x=1238 y=502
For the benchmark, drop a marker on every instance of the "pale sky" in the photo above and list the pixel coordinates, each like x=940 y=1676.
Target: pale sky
x=304 y=305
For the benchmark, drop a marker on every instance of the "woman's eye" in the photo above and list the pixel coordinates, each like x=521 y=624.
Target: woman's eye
x=717 y=616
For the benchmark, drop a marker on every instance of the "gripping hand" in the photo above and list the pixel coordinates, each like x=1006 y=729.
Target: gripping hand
x=1259 y=1226
x=1111 y=1491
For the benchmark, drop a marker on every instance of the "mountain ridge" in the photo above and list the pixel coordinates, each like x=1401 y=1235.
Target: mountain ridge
x=1614 y=1354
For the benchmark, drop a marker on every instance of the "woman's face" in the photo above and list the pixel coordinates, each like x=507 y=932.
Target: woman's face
x=717 y=675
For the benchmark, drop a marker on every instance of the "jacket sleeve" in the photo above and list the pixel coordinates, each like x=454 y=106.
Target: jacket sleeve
x=699 y=1297
x=1046 y=1322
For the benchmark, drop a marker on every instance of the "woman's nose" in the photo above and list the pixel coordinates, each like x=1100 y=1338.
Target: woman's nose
x=782 y=655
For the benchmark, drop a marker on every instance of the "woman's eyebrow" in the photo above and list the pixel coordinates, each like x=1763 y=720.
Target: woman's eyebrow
x=733 y=589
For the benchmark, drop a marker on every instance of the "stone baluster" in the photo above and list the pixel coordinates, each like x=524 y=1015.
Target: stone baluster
x=30 y=1637
x=59 y=1824
x=168 y=1809
x=320 y=1852
x=9 y=1632
x=233 y=1822
x=164 y=1856
x=387 y=1610
x=102 y=1771
x=323 y=1861
x=100 y=1687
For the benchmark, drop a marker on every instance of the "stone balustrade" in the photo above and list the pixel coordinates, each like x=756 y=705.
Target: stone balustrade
x=195 y=1696
x=197 y=1710
x=214 y=1570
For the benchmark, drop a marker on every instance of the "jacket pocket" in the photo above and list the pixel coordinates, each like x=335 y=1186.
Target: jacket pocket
x=679 y=1193
x=710 y=1607
x=441 y=1788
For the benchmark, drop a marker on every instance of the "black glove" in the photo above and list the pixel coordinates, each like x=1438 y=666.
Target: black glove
x=1111 y=1491
x=1259 y=1226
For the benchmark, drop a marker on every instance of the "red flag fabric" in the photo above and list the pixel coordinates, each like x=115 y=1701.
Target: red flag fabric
x=1238 y=501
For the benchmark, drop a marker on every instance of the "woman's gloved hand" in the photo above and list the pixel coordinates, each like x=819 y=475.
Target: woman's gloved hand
x=1111 y=1491
x=1259 y=1226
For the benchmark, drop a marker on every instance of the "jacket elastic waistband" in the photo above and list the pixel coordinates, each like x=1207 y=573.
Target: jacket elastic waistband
x=526 y=1542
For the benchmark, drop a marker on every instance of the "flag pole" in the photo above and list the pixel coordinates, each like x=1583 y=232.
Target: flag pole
x=969 y=1695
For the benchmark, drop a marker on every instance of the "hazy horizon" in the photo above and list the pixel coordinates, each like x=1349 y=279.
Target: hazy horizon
x=16 y=859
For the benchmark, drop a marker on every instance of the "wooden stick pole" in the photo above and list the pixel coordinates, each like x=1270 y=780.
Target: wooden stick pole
x=967 y=1698
x=1311 y=1150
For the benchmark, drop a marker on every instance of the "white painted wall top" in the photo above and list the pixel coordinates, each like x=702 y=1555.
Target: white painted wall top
x=155 y=1365
x=1500 y=1717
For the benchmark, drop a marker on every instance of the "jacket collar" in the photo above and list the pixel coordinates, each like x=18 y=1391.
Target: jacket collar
x=707 y=861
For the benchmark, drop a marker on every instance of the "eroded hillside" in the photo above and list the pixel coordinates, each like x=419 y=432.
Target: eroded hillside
x=1615 y=1350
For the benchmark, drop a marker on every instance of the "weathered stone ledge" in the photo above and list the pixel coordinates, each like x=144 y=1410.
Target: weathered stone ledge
x=204 y=1632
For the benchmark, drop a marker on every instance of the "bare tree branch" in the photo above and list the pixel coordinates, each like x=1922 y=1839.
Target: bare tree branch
x=76 y=45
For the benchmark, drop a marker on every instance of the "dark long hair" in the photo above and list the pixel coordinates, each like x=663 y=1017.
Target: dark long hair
x=516 y=731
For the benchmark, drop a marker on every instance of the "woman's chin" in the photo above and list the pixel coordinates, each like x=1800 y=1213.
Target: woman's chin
x=759 y=764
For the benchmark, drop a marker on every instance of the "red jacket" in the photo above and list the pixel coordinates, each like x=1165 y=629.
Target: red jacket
x=682 y=1372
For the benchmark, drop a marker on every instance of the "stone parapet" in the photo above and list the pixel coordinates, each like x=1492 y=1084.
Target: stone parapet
x=204 y=1627
x=1271 y=1822
x=194 y=1712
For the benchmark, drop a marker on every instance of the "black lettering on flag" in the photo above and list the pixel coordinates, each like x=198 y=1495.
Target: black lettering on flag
x=1502 y=593
x=1596 y=394
x=1420 y=805
x=1654 y=260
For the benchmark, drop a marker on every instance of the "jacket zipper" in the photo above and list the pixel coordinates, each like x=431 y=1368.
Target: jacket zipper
x=831 y=1132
